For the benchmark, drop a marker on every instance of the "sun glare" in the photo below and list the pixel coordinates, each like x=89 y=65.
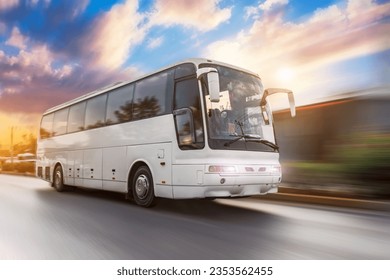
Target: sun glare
x=19 y=125
x=285 y=74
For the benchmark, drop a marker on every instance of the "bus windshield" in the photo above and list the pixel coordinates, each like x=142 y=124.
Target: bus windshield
x=238 y=115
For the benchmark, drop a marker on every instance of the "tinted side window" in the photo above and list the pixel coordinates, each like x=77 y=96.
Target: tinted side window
x=46 y=130
x=76 y=117
x=119 y=105
x=187 y=96
x=60 y=122
x=150 y=96
x=95 y=112
x=184 y=70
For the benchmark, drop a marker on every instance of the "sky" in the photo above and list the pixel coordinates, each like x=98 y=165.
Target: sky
x=52 y=51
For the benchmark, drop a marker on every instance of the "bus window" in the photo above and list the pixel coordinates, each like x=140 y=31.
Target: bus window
x=60 y=122
x=187 y=96
x=76 y=117
x=150 y=96
x=95 y=112
x=184 y=70
x=119 y=105
x=46 y=130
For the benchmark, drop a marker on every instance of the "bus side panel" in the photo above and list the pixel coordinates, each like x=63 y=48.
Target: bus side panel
x=92 y=168
x=78 y=167
x=163 y=178
x=73 y=170
x=69 y=169
x=158 y=157
x=114 y=169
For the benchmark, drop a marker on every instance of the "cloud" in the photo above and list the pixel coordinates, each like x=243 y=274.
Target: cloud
x=155 y=42
x=37 y=78
x=203 y=15
x=8 y=4
x=56 y=23
x=331 y=35
x=79 y=8
x=113 y=35
x=16 y=39
x=266 y=6
x=66 y=56
x=25 y=76
x=269 y=4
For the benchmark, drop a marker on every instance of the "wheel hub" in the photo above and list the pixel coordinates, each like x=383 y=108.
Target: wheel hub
x=57 y=179
x=142 y=186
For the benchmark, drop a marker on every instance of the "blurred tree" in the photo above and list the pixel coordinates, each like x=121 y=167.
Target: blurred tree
x=27 y=145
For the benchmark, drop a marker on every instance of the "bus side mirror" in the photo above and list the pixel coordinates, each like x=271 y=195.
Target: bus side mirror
x=291 y=100
x=184 y=127
x=270 y=91
x=212 y=81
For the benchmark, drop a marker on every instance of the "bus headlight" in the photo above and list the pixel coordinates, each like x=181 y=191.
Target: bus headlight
x=222 y=169
x=275 y=170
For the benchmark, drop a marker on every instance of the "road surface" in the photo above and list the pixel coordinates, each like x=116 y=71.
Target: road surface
x=36 y=222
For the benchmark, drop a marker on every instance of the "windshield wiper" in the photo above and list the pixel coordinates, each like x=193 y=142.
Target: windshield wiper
x=250 y=138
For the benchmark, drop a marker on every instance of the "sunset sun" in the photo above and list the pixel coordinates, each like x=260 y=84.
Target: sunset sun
x=285 y=74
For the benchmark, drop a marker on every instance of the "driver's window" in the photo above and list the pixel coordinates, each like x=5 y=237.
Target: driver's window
x=187 y=96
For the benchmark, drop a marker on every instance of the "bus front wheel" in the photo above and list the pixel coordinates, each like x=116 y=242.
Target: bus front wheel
x=143 y=187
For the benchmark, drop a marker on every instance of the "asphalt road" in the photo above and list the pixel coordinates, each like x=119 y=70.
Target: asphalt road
x=36 y=222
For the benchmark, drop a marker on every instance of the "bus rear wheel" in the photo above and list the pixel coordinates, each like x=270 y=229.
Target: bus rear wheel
x=143 y=187
x=58 y=179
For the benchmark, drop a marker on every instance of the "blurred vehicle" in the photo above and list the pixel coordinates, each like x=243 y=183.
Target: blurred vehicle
x=23 y=163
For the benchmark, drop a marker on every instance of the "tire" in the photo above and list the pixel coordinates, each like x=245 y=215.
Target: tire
x=58 y=179
x=143 y=187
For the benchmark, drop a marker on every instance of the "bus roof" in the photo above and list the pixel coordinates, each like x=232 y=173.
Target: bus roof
x=195 y=61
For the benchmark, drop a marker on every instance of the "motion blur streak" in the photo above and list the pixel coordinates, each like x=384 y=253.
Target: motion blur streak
x=340 y=145
x=39 y=223
x=327 y=228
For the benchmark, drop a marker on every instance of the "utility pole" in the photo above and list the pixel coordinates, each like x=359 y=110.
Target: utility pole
x=12 y=146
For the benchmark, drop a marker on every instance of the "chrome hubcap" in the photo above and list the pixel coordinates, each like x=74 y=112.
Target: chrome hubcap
x=142 y=186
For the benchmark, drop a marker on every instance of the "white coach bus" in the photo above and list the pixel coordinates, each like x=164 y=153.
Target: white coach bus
x=197 y=129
